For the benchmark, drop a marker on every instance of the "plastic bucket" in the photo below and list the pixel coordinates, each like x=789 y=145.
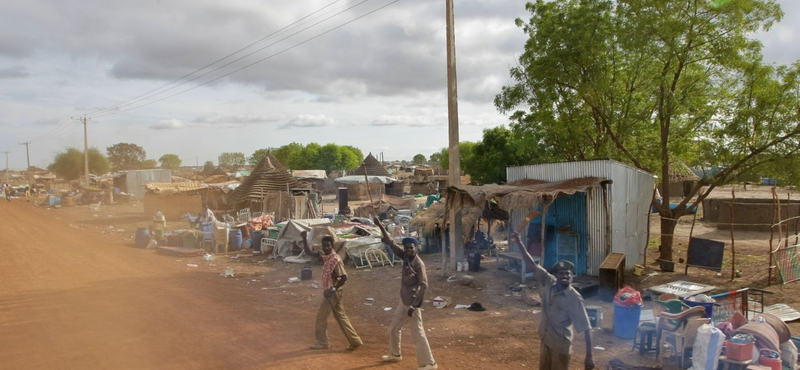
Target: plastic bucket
x=255 y=239
x=235 y=240
x=626 y=320
x=142 y=237
x=709 y=306
x=638 y=269
x=774 y=363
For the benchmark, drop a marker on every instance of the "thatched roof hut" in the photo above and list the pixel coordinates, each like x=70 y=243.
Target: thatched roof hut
x=269 y=176
x=373 y=166
x=436 y=215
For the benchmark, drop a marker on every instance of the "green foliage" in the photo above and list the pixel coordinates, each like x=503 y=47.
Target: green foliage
x=283 y=153
x=436 y=157
x=330 y=157
x=125 y=156
x=170 y=161
x=651 y=82
x=149 y=164
x=419 y=159
x=464 y=151
x=231 y=161
x=307 y=158
x=69 y=164
x=257 y=156
x=500 y=148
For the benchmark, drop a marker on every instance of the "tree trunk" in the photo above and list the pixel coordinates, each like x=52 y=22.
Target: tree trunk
x=667 y=232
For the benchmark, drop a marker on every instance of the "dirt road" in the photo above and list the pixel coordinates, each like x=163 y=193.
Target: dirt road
x=73 y=297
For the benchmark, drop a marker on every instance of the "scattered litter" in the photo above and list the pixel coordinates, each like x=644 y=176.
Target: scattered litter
x=294 y=280
x=368 y=303
x=463 y=306
x=191 y=265
x=536 y=311
x=452 y=279
x=208 y=257
x=599 y=348
x=650 y=275
x=314 y=285
x=441 y=302
x=387 y=308
x=369 y=299
x=227 y=273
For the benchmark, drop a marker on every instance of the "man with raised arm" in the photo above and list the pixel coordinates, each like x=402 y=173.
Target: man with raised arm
x=333 y=279
x=413 y=285
x=562 y=310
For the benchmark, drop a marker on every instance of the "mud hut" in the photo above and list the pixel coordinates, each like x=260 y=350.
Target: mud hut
x=373 y=167
x=681 y=180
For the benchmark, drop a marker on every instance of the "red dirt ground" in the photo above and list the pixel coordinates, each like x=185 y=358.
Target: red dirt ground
x=77 y=295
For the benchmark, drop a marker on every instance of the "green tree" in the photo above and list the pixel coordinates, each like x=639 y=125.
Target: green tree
x=69 y=164
x=283 y=153
x=419 y=159
x=306 y=158
x=257 y=156
x=352 y=157
x=208 y=167
x=436 y=157
x=464 y=151
x=170 y=161
x=125 y=156
x=149 y=164
x=652 y=82
x=500 y=148
x=231 y=161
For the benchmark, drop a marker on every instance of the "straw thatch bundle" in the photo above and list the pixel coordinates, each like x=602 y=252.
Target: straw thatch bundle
x=373 y=166
x=509 y=197
x=268 y=176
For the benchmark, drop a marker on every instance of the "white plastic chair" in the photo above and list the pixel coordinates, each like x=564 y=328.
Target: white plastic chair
x=267 y=243
x=208 y=237
x=243 y=215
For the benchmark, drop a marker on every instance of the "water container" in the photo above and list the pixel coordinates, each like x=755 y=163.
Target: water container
x=142 y=237
x=235 y=240
x=708 y=306
x=255 y=239
x=626 y=320
x=305 y=273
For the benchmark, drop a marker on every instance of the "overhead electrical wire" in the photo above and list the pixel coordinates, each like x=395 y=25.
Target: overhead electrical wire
x=253 y=63
x=151 y=92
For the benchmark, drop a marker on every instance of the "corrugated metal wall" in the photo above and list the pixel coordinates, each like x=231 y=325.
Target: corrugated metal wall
x=136 y=180
x=631 y=190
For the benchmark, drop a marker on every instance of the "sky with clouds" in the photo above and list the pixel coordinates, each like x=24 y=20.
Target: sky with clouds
x=367 y=73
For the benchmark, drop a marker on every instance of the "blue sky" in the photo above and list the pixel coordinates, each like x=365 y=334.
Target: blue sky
x=377 y=83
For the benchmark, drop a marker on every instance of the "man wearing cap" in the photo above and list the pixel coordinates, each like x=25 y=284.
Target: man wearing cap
x=413 y=285
x=333 y=279
x=562 y=310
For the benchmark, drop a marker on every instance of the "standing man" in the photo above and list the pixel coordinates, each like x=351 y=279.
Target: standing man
x=412 y=291
x=333 y=278
x=562 y=309
x=7 y=190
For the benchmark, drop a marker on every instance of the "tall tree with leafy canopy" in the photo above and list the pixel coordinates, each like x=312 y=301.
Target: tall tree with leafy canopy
x=419 y=159
x=148 y=164
x=464 y=151
x=284 y=152
x=69 y=163
x=306 y=158
x=231 y=161
x=125 y=156
x=652 y=82
x=170 y=161
x=500 y=148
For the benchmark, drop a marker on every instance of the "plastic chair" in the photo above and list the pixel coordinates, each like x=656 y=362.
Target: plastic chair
x=683 y=339
x=243 y=215
x=268 y=245
x=208 y=237
x=675 y=323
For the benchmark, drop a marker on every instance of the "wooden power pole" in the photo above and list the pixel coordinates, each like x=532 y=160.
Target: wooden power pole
x=456 y=236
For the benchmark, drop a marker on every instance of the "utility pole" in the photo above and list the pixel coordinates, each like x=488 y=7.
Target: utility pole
x=6 y=167
x=456 y=237
x=27 y=153
x=85 y=149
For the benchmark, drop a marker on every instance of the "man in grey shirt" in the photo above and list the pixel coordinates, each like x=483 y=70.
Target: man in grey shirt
x=412 y=292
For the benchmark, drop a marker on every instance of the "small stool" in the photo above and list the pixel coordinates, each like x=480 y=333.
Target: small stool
x=645 y=334
x=728 y=364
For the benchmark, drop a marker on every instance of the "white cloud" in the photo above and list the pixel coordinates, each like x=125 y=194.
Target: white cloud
x=168 y=124
x=407 y=121
x=306 y=121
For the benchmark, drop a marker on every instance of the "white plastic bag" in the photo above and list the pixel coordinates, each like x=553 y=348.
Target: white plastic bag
x=707 y=348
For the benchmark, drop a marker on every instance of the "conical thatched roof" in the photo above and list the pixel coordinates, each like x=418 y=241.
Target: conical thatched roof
x=679 y=171
x=373 y=166
x=268 y=176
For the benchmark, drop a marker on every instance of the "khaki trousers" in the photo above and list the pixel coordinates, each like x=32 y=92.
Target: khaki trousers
x=421 y=346
x=552 y=360
x=326 y=307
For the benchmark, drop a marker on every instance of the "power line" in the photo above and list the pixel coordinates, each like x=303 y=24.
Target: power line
x=253 y=63
x=142 y=96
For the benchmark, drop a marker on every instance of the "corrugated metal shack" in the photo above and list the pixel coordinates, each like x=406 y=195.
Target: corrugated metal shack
x=133 y=182
x=629 y=197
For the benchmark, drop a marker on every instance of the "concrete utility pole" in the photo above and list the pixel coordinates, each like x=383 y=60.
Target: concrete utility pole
x=85 y=149
x=27 y=153
x=6 y=167
x=456 y=237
